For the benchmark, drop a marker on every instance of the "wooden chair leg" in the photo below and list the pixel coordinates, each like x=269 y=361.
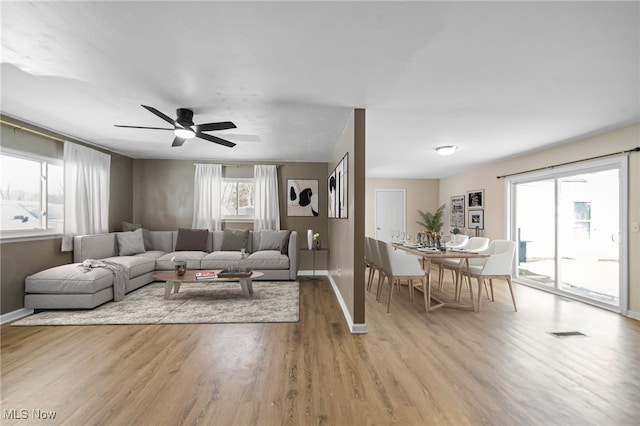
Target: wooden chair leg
x=480 y=282
x=511 y=290
x=486 y=290
x=491 y=286
x=381 y=278
x=426 y=289
x=391 y=281
x=411 y=290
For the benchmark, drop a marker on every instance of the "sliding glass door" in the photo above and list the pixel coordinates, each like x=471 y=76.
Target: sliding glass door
x=568 y=223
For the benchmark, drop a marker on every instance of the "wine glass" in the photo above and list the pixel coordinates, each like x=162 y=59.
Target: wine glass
x=408 y=237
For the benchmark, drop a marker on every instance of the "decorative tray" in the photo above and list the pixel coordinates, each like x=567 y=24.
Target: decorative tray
x=235 y=273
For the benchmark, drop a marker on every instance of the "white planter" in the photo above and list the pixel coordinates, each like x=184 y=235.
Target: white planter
x=310 y=239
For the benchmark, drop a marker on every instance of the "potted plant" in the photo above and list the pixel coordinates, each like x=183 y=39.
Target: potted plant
x=432 y=222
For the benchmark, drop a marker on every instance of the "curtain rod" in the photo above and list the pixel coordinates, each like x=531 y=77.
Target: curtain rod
x=636 y=149
x=26 y=129
x=238 y=164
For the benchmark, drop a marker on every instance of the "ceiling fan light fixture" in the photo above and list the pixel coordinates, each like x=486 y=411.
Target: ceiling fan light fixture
x=185 y=133
x=446 y=150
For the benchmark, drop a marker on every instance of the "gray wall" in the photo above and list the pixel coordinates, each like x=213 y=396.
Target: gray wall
x=19 y=259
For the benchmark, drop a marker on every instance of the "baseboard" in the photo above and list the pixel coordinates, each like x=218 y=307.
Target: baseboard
x=633 y=314
x=360 y=328
x=309 y=273
x=14 y=315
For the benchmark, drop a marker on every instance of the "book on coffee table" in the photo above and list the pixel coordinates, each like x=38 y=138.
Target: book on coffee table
x=235 y=273
x=205 y=275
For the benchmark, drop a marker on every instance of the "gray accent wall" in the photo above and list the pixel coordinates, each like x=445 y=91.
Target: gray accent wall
x=163 y=198
x=347 y=235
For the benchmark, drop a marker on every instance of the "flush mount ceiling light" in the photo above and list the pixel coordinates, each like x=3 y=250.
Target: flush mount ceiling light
x=185 y=133
x=446 y=150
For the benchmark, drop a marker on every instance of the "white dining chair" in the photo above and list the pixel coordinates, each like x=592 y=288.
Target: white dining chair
x=457 y=241
x=476 y=244
x=398 y=267
x=499 y=265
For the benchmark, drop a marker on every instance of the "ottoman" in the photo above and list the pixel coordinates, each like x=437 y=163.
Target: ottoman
x=68 y=287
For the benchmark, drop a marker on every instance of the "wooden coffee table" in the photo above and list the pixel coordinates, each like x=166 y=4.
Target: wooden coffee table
x=174 y=281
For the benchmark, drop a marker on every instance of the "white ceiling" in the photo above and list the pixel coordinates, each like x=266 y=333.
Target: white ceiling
x=494 y=78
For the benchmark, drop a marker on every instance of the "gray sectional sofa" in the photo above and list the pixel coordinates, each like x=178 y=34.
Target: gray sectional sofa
x=73 y=287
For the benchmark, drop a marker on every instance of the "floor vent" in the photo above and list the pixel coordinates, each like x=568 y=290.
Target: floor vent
x=560 y=334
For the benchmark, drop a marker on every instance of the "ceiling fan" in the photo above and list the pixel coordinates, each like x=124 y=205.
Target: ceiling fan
x=184 y=128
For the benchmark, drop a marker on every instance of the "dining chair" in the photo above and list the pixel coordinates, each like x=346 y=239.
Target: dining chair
x=396 y=267
x=477 y=244
x=457 y=241
x=371 y=260
x=499 y=265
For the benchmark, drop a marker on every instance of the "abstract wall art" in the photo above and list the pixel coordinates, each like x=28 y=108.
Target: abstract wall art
x=302 y=197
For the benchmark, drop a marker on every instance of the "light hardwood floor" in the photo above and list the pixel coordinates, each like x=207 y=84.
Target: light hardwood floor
x=448 y=367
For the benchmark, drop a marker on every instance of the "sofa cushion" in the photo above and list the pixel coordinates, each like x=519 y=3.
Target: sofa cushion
x=135 y=265
x=69 y=278
x=284 y=243
x=192 y=239
x=193 y=258
x=266 y=259
x=221 y=259
x=235 y=239
x=146 y=235
x=130 y=243
x=270 y=240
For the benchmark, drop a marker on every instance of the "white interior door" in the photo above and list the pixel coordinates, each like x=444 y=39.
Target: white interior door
x=390 y=212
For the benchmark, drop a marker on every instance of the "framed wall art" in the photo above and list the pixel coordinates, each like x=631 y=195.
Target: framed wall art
x=342 y=177
x=457 y=211
x=332 y=199
x=476 y=219
x=338 y=188
x=302 y=197
x=475 y=199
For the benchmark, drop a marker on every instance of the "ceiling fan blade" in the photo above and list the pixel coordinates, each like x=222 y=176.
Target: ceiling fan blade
x=223 y=125
x=141 y=127
x=161 y=115
x=215 y=139
x=178 y=141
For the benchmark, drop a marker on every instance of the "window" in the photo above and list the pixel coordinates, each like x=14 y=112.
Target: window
x=237 y=199
x=31 y=195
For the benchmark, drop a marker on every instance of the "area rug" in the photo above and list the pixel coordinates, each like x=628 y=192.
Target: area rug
x=196 y=303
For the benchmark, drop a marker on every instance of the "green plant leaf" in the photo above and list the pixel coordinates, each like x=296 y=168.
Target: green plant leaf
x=432 y=222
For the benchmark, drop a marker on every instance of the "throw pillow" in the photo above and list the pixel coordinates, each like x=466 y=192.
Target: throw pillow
x=235 y=239
x=284 y=243
x=270 y=240
x=130 y=243
x=192 y=239
x=126 y=226
x=146 y=235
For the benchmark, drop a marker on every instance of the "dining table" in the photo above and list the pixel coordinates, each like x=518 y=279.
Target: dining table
x=428 y=255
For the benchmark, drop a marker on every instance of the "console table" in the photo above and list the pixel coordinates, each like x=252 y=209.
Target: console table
x=314 y=250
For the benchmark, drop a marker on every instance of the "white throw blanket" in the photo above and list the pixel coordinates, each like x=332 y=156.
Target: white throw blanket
x=119 y=275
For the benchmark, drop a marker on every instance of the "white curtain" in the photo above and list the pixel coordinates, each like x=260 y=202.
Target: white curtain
x=267 y=208
x=86 y=192
x=207 y=213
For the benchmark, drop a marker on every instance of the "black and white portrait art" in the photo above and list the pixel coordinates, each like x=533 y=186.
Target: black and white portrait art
x=302 y=197
x=333 y=195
